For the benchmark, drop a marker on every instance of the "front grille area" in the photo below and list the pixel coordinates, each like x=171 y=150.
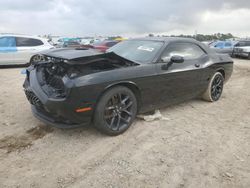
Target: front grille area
x=52 y=83
x=32 y=98
x=56 y=82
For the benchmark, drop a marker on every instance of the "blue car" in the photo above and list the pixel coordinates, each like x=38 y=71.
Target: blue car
x=225 y=47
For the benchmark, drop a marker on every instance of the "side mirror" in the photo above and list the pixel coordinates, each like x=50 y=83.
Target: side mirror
x=177 y=59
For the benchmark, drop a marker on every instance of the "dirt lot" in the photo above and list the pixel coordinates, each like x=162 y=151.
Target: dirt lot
x=201 y=145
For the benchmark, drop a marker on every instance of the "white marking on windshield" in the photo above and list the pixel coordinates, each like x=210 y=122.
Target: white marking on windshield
x=145 y=48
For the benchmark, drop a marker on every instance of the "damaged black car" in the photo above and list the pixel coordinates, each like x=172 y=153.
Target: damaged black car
x=73 y=87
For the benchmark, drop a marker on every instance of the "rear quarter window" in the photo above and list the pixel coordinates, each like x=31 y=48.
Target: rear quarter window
x=22 y=42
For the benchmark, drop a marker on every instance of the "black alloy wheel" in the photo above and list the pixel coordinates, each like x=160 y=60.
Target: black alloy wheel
x=217 y=87
x=118 y=111
x=115 y=111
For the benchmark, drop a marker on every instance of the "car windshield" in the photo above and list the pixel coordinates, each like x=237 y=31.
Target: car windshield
x=137 y=50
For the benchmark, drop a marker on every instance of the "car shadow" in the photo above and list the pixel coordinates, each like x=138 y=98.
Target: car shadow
x=14 y=66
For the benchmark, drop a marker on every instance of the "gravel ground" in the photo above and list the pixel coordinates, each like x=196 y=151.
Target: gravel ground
x=199 y=144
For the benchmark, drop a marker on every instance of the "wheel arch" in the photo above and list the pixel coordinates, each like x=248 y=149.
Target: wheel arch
x=222 y=71
x=130 y=85
x=31 y=57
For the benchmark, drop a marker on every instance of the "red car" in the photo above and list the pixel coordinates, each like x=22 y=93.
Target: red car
x=104 y=45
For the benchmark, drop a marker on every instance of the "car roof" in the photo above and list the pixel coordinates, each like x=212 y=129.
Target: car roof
x=106 y=41
x=176 y=39
x=20 y=35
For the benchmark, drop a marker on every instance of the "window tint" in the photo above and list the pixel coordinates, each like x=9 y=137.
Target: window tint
x=7 y=42
x=243 y=43
x=186 y=50
x=219 y=45
x=72 y=43
x=22 y=41
x=228 y=44
x=110 y=44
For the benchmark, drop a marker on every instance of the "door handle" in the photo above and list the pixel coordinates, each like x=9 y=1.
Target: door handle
x=197 y=65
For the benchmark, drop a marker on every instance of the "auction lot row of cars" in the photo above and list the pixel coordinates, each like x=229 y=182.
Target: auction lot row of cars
x=22 y=49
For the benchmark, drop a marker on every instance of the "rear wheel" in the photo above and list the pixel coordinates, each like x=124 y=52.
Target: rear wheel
x=115 y=111
x=215 y=88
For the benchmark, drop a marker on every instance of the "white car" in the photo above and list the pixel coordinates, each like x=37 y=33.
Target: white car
x=20 y=49
x=242 y=49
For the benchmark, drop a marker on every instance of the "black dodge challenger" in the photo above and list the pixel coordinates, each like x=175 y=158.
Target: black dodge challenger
x=73 y=87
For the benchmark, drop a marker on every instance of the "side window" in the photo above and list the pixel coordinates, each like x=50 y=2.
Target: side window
x=219 y=45
x=186 y=50
x=7 y=42
x=240 y=44
x=228 y=44
x=24 y=42
x=248 y=43
x=110 y=44
x=72 y=43
x=243 y=43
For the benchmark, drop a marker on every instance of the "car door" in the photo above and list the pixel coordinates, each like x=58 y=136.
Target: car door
x=181 y=81
x=26 y=47
x=7 y=50
x=228 y=47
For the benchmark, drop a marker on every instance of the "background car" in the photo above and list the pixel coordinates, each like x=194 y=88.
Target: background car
x=69 y=44
x=242 y=49
x=225 y=47
x=104 y=45
x=20 y=49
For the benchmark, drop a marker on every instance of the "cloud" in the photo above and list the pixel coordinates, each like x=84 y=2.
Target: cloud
x=112 y=17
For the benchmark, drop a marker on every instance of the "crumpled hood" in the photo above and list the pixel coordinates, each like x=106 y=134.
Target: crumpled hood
x=70 y=54
x=82 y=56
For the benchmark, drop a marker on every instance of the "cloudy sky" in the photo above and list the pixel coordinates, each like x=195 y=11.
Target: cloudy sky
x=124 y=17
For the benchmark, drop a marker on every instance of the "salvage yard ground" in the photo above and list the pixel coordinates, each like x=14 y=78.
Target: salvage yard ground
x=201 y=145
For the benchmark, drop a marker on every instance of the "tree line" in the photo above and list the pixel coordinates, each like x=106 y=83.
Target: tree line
x=201 y=37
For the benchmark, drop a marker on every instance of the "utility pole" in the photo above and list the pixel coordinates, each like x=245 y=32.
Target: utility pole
x=195 y=34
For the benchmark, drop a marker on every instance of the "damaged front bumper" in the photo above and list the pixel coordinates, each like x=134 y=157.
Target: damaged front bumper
x=57 y=112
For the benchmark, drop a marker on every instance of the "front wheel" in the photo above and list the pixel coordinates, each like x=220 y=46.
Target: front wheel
x=215 y=88
x=36 y=58
x=115 y=111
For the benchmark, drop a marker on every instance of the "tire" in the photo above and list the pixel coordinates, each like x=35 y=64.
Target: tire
x=232 y=55
x=35 y=58
x=215 y=88
x=248 y=57
x=115 y=111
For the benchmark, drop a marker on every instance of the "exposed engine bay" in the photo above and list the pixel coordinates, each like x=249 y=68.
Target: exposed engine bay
x=54 y=72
